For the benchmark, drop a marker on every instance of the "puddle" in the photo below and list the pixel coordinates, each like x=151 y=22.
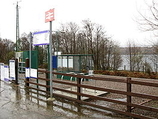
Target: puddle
x=122 y=99
x=15 y=103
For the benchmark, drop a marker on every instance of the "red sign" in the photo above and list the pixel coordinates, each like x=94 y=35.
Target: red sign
x=49 y=15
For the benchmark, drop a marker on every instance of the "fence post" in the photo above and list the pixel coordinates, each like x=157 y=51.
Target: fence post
x=128 y=96
x=47 y=83
x=27 y=66
x=16 y=71
x=78 y=88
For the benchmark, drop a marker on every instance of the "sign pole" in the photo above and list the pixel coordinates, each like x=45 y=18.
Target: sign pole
x=50 y=61
x=49 y=17
x=30 y=53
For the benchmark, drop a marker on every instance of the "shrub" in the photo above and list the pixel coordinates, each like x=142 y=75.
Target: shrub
x=127 y=74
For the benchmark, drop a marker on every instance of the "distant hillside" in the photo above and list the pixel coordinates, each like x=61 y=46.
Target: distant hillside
x=145 y=50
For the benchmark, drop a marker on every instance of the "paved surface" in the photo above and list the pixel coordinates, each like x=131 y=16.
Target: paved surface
x=15 y=104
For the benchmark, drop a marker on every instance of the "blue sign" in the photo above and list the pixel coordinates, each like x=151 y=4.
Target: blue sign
x=54 y=60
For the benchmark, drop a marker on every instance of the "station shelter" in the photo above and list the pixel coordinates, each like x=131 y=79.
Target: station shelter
x=73 y=64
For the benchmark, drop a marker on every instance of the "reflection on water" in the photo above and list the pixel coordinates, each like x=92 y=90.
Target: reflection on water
x=74 y=110
x=16 y=103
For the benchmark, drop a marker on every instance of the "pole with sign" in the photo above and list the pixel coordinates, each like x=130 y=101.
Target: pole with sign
x=49 y=17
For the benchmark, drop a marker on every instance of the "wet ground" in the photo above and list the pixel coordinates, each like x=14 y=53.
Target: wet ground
x=15 y=104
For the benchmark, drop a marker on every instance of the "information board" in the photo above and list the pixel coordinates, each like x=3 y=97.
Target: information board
x=32 y=74
x=6 y=73
x=41 y=38
x=27 y=72
x=2 y=71
x=12 y=69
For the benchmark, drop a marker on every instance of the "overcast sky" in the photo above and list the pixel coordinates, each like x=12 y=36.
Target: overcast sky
x=116 y=16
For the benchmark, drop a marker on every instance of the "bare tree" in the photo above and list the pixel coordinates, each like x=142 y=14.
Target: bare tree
x=7 y=50
x=154 y=57
x=135 y=57
x=81 y=43
x=73 y=30
x=103 y=53
x=98 y=39
x=148 y=20
x=69 y=39
x=88 y=27
x=116 y=61
x=90 y=39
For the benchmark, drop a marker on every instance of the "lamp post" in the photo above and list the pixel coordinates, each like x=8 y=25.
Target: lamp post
x=17 y=26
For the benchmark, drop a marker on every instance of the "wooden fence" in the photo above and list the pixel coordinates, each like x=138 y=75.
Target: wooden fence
x=41 y=84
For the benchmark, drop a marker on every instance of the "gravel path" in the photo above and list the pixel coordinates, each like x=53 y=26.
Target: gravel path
x=136 y=89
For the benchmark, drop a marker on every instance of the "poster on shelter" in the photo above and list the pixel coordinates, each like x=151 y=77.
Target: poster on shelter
x=41 y=38
x=2 y=71
x=6 y=73
x=12 y=69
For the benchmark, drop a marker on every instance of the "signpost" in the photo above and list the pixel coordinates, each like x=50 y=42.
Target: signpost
x=49 y=17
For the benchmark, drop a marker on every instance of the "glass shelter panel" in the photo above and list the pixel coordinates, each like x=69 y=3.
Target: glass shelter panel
x=74 y=63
